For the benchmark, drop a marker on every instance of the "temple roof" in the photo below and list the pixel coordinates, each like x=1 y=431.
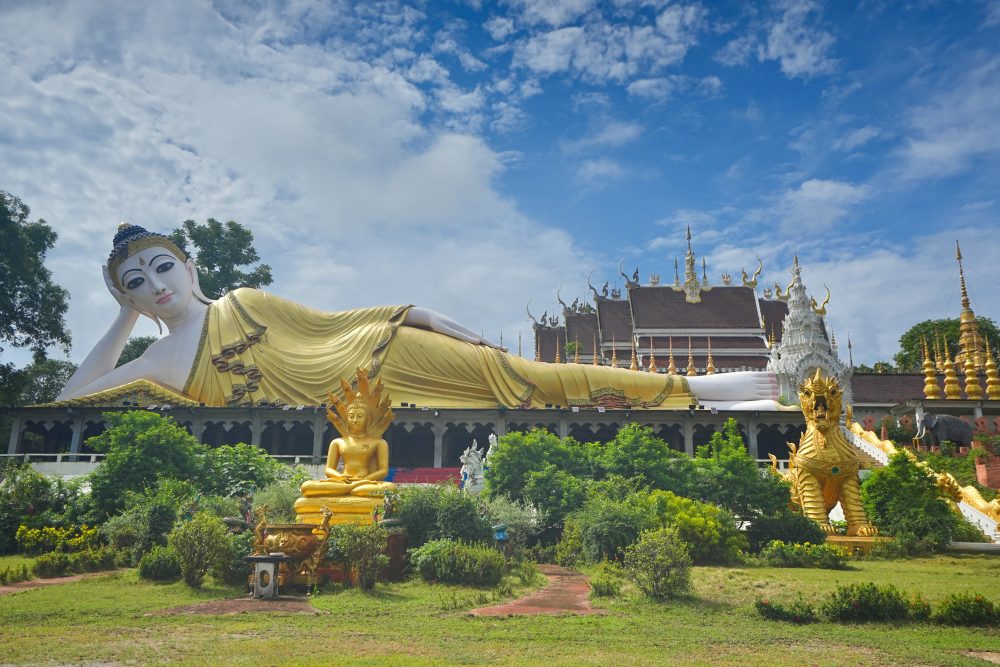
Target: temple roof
x=773 y=311
x=889 y=388
x=722 y=307
x=546 y=338
x=616 y=321
x=582 y=327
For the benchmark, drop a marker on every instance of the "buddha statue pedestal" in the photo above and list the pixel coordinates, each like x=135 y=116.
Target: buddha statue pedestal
x=356 y=464
x=343 y=509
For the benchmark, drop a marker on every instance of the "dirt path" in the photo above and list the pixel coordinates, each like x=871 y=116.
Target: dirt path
x=31 y=584
x=567 y=593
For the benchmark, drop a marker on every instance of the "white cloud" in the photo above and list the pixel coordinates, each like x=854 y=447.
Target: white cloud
x=856 y=138
x=737 y=51
x=959 y=123
x=662 y=88
x=817 y=205
x=609 y=135
x=801 y=49
x=499 y=27
x=600 y=172
x=555 y=13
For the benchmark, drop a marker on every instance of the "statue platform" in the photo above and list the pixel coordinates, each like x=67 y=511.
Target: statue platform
x=345 y=509
x=856 y=545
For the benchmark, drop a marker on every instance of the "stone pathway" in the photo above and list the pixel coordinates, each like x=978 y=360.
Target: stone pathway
x=31 y=584
x=567 y=593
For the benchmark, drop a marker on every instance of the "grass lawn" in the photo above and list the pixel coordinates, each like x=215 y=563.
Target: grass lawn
x=103 y=620
x=15 y=561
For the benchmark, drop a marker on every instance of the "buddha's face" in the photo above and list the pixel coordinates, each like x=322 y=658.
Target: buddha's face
x=357 y=420
x=156 y=281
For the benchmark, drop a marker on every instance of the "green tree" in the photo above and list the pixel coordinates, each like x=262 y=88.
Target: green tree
x=221 y=251
x=729 y=478
x=911 y=352
x=32 y=307
x=44 y=379
x=234 y=470
x=519 y=454
x=134 y=348
x=638 y=454
x=141 y=447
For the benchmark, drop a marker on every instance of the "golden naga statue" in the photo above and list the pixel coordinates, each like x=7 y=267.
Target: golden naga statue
x=823 y=468
x=355 y=491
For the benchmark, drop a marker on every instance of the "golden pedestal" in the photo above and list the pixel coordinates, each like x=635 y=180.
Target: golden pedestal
x=344 y=509
x=856 y=545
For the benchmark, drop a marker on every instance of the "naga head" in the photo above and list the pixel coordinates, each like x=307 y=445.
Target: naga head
x=821 y=399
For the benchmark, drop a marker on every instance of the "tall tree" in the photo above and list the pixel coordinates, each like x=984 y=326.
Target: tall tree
x=134 y=348
x=220 y=251
x=32 y=306
x=911 y=355
x=44 y=379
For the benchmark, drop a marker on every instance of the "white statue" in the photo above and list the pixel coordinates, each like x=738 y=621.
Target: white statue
x=472 y=469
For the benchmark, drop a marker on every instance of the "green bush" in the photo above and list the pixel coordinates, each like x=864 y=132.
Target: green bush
x=147 y=518
x=160 y=564
x=608 y=526
x=280 y=497
x=799 y=611
x=607 y=582
x=416 y=508
x=517 y=455
x=201 y=544
x=12 y=575
x=569 y=549
x=60 y=564
x=55 y=564
x=636 y=453
x=709 y=530
x=920 y=609
x=786 y=526
x=360 y=550
x=34 y=541
x=523 y=521
x=232 y=570
x=862 y=603
x=26 y=497
x=966 y=609
x=235 y=470
x=451 y=562
x=822 y=556
x=903 y=498
x=659 y=564
x=440 y=511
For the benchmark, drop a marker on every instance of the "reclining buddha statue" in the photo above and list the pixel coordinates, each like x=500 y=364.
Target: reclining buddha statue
x=251 y=348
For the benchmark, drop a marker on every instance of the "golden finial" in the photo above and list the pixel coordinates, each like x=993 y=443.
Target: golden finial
x=938 y=354
x=576 y=350
x=992 y=375
x=691 y=369
x=538 y=347
x=595 y=351
x=634 y=366
x=952 y=392
x=973 y=390
x=558 y=360
x=704 y=271
x=710 y=366
x=671 y=366
x=961 y=275
x=614 y=353
x=931 y=389
x=652 y=359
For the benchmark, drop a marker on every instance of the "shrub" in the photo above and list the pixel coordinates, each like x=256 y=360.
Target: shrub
x=861 y=603
x=659 y=564
x=416 y=509
x=709 y=530
x=12 y=575
x=787 y=526
x=523 y=521
x=235 y=470
x=200 y=544
x=280 y=497
x=59 y=564
x=519 y=454
x=798 y=612
x=607 y=582
x=232 y=570
x=556 y=493
x=148 y=518
x=636 y=453
x=569 y=549
x=440 y=511
x=25 y=497
x=34 y=541
x=360 y=549
x=608 y=526
x=966 y=609
x=55 y=564
x=920 y=609
x=160 y=564
x=822 y=556
x=452 y=562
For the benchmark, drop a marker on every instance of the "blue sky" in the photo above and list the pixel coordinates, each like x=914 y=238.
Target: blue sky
x=470 y=157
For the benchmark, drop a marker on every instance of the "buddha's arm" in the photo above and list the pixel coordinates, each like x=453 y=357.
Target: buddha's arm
x=333 y=460
x=98 y=372
x=381 y=468
x=424 y=318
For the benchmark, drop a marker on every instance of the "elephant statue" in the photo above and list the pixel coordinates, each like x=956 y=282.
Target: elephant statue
x=934 y=429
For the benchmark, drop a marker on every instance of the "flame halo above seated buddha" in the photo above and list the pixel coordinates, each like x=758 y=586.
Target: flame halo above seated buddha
x=252 y=348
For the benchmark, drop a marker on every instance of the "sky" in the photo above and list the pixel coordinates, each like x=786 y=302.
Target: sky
x=474 y=157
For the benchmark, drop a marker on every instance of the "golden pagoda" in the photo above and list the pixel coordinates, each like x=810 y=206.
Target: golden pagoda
x=969 y=341
x=671 y=366
x=992 y=375
x=931 y=389
x=951 y=389
x=710 y=366
x=614 y=353
x=634 y=366
x=692 y=370
x=652 y=360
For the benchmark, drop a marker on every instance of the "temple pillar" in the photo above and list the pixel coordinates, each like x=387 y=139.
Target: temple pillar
x=563 y=426
x=688 y=437
x=256 y=428
x=74 y=443
x=501 y=425
x=752 y=437
x=977 y=410
x=319 y=425
x=17 y=423
x=439 y=430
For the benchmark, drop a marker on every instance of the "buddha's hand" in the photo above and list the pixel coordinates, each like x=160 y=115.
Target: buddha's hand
x=119 y=295
x=429 y=319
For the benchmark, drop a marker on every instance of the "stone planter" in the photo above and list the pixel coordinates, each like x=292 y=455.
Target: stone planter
x=988 y=471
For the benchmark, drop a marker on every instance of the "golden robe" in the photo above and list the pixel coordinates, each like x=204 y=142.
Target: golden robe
x=260 y=349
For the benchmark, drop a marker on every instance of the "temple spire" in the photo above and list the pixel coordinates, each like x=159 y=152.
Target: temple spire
x=952 y=391
x=614 y=353
x=652 y=359
x=558 y=360
x=992 y=375
x=576 y=350
x=931 y=389
x=710 y=366
x=968 y=342
x=671 y=366
x=595 y=351
x=692 y=370
x=634 y=366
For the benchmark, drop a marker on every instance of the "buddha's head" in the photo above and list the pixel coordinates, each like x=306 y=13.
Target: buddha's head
x=152 y=273
x=358 y=418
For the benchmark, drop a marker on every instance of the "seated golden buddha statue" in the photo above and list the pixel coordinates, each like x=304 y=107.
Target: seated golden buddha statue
x=250 y=348
x=356 y=463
